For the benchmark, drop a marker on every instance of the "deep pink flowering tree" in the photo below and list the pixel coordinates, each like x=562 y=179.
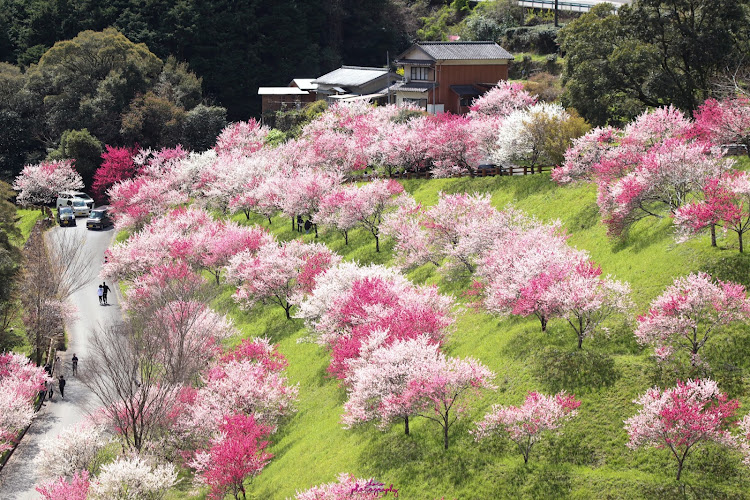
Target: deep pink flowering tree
x=350 y=305
x=348 y=487
x=725 y=203
x=527 y=424
x=585 y=155
x=726 y=121
x=241 y=138
x=76 y=489
x=40 y=183
x=134 y=202
x=689 y=313
x=682 y=418
x=234 y=458
x=117 y=165
x=452 y=149
x=664 y=179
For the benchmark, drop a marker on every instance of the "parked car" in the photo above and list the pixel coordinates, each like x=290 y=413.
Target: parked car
x=65 y=216
x=99 y=218
x=66 y=198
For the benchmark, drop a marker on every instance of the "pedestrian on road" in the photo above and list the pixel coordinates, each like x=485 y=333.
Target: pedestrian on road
x=48 y=368
x=61 y=383
x=58 y=369
x=100 y=293
x=51 y=388
x=75 y=364
x=105 y=290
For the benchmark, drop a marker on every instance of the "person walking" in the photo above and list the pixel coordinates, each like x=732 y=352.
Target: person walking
x=57 y=370
x=61 y=383
x=299 y=223
x=105 y=290
x=100 y=293
x=74 y=362
x=51 y=389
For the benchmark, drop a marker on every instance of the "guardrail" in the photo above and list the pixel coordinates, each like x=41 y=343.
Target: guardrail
x=562 y=5
x=483 y=172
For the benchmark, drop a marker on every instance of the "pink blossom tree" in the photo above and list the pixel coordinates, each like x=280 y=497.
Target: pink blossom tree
x=744 y=438
x=681 y=418
x=726 y=203
x=76 y=489
x=237 y=456
x=452 y=149
x=280 y=274
x=41 y=183
x=241 y=138
x=438 y=388
x=134 y=202
x=726 y=121
x=586 y=154
x=384 y=374
x=525 y=425
x=348 y=487
x=20 y=383
x=689 y=313
x=502 y=100
x=301 y=192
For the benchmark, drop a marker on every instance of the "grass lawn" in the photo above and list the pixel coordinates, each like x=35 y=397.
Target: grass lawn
x=590 y=460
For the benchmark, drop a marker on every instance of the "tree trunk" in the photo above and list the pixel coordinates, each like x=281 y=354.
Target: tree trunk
x=445 y=435
x=217 y=274
x=377 y=243
x=679 y=468
x=406 y=425
x=713 y=235
x=346 y=237
x=739 y=235
x=543 y=320
x=286 y=310
x=247 y=214
x=580 y=341
x=269 y=219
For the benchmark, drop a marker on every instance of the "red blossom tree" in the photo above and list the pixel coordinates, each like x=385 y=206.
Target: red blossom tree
x=117 y=165
x=237 y=456
x=681 y=418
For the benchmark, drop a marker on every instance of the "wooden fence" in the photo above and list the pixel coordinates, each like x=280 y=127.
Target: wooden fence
x=484 y=172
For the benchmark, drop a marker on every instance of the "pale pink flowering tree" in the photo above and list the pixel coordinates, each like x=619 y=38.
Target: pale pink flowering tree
x=518 y=273
x=363 y=206
x=525 y=425
x=455 y=232
x=452 y=149
x=338 y=210
x=301 y=192
x=236 y=456
x=689 y=313
x=280 y=274
x=20 y=383
x=585 y=155
x=136 y=476
x=502 y=100
x=726 y=203
x=437 y=389
x=76 y=489
x=41 y=183
x=73 y=450
x=259 y=195
x=348 y=487
x=385 y=373
x=681 y=418
x=660 y=124
x=744 y=438
x=241 y=138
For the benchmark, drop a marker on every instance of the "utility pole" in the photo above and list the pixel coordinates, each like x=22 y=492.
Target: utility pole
x=556 y=23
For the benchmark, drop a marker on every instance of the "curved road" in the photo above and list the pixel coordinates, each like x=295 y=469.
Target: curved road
x=18 y=478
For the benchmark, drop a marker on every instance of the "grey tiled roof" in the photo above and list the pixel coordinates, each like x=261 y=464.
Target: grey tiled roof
x=412 y=86
x=464 y=50
x=351 y=76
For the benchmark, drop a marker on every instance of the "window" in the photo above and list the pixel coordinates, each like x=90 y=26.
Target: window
x=420 y=103
x=419 y=73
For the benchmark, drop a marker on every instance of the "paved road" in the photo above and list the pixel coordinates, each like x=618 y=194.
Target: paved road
x=19 y=477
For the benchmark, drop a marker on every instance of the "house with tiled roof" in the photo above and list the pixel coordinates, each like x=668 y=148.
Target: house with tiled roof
x=355 y=82
x=297 y=94
x=448 y=76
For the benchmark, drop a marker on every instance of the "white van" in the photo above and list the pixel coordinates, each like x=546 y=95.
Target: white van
x=80 y=201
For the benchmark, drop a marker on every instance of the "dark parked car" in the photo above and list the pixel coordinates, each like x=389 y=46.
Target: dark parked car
x=98 y=219
x=65 y=216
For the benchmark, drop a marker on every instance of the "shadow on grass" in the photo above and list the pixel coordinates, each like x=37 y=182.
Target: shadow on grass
x=733 y=267
x=580 y=371
x=646 y=234
x=586 y=218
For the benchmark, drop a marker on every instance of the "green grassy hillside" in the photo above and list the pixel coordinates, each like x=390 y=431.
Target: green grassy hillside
x=590 y=460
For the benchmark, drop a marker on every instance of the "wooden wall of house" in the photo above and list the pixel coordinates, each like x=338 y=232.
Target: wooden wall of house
x=448 y=75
